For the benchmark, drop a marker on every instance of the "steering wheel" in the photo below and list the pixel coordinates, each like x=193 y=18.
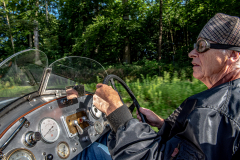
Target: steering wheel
x=110 y=78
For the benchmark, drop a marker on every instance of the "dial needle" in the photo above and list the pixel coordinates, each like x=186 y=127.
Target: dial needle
x=48 y=131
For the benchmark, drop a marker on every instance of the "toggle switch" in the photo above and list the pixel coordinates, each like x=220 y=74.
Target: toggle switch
x=79 y=129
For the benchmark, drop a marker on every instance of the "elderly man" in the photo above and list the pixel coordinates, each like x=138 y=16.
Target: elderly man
x=205 y=125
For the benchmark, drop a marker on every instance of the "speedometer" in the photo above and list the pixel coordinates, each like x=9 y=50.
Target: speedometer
x=49 y=129
x=20 y=153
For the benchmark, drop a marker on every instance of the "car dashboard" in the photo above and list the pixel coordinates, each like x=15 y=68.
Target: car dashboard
x=50 y=128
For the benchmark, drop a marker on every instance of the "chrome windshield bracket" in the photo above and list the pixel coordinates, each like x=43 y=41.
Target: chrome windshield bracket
x=44 y=81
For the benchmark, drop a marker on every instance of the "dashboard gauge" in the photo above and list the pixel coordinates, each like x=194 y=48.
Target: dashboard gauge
x=98 y=127
x=20 y=153
x=49 y=129
x=95 y=112
x=63 y=150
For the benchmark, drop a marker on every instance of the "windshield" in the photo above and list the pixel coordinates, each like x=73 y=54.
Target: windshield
x=21 y=74
x=70 y=71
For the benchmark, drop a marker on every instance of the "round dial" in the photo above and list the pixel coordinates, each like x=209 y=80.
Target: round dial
x=98 y=127
x=63 y=150
x=49 y=130
x=95 y=112
x=19 y=153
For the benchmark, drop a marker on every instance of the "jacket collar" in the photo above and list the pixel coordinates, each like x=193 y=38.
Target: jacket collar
x=229 y=77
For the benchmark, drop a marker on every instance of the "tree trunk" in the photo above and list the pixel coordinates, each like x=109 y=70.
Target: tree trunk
x=160 y=32
x=171 y=33
x=187 y=36
x=36 y=38
x=126 y=53
x=47 y=12
x=9 y=27
x=187 y=39
x=30 y=40
x=36 y=35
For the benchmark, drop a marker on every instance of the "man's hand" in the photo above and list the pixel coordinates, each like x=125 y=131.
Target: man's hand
x=106 y=99
x=153 y=119
x=71 y=93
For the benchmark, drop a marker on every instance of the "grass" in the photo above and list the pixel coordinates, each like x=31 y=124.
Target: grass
x=161 y=95
x=16 y=91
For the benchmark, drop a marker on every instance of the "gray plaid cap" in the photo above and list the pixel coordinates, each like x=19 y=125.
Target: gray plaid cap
x=222 y=29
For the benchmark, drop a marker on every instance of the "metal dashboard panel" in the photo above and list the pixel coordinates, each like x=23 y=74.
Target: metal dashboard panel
x=53 y=110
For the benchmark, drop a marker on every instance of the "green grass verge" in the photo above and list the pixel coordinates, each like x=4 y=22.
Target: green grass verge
x=17 y=91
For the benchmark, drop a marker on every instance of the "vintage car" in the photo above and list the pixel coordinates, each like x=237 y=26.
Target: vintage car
x=37 y=121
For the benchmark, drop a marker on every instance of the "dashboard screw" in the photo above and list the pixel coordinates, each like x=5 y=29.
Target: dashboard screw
x=21 y=120
x=76 y=144
x=50 y=107
x=44 y=153
x=74 y=149
x=27 y=124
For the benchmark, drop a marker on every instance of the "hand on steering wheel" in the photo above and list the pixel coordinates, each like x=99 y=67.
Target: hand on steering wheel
x=153 y=119
x=106 y=99
x=110 y=95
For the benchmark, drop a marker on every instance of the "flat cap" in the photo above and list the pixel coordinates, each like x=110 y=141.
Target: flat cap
x=222 y=29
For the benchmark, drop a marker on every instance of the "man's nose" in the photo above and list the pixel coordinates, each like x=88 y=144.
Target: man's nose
x=193 y=53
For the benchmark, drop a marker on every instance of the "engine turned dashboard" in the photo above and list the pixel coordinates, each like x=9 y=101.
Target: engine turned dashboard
x=53 y=129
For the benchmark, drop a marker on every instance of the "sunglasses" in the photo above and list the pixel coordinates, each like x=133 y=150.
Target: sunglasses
x=203 y=45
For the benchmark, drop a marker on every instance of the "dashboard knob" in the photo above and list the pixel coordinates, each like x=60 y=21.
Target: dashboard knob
x=49 y=157
x=36 y=136
x=31 y=138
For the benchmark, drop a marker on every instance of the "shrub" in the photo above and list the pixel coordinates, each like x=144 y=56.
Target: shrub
x=150 y=68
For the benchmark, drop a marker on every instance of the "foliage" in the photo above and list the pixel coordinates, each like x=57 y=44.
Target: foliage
x=151 y=68
x=96 y=29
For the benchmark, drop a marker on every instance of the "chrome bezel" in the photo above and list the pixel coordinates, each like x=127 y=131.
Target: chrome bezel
x=96 y=127
x=39 y=128
x=10 y=153
x=96 y=113
x=58 y=148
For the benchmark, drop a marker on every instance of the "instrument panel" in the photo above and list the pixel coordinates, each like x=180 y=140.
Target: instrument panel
x=59 y=129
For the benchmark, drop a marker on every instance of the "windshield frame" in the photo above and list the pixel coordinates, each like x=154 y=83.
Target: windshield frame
x=16 y=54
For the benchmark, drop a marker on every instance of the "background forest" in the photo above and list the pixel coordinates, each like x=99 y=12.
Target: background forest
x=109 y=31
x=131 y=38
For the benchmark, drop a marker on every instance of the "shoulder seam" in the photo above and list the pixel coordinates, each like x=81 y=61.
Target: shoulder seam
x=223 y=113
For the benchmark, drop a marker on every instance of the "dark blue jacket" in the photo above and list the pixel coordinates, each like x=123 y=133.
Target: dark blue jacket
x=207 y=127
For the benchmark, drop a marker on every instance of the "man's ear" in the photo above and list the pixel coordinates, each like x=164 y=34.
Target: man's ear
x=234 y=56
